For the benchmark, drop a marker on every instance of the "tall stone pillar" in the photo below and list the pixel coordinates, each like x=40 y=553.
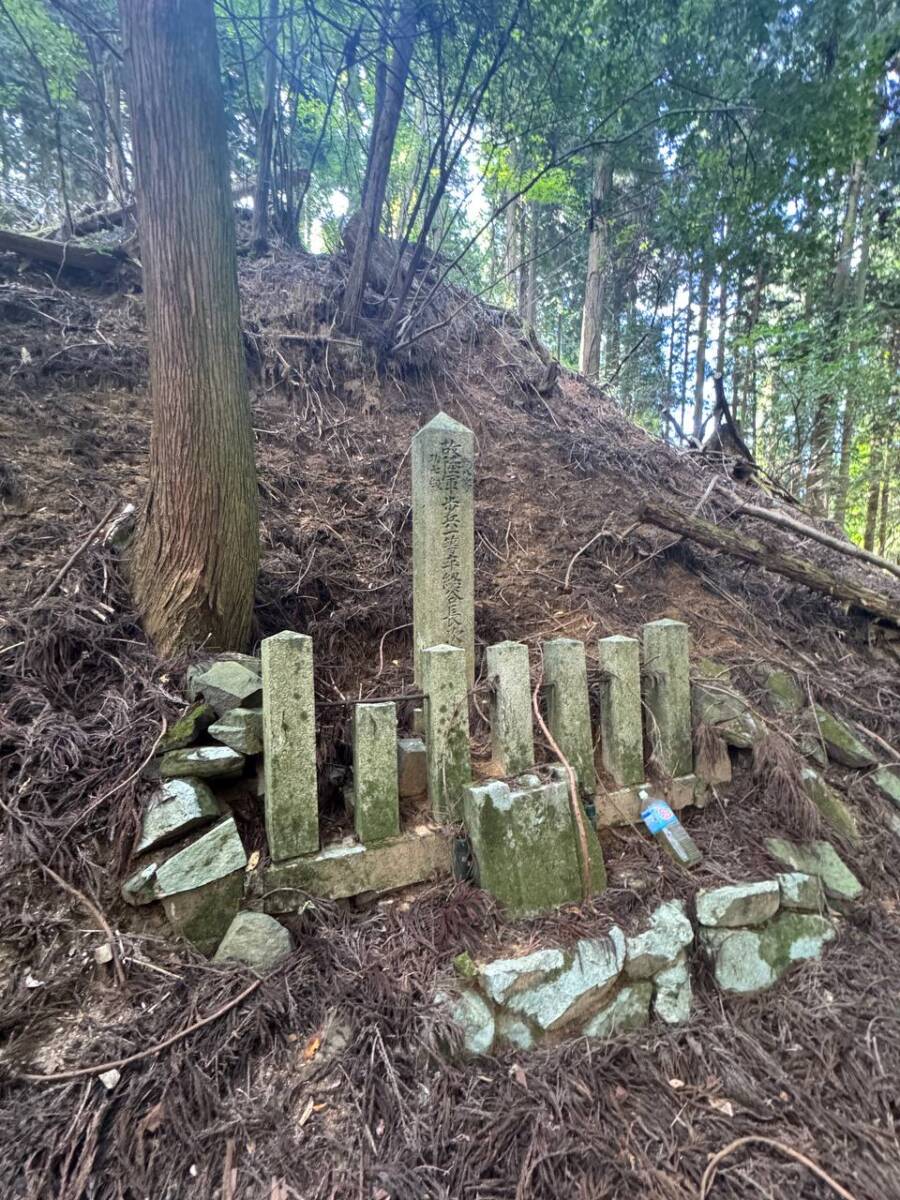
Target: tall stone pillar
x=621 y=729
x=667 y=691
x=568 y=708
x=512 y=738
x=443 y=474
x=289 y=745
x=447 y=753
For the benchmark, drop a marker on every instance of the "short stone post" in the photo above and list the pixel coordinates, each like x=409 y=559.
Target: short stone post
x=289 y=745
x=376 y=811
x=512 y=739
x=621 y=729
x=667 y=692
x=443 y=473
x=568 y=707
x=445 y=685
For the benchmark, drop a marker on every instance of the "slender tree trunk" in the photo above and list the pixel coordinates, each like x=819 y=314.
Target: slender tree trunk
x=688 y=321
x=116 y=169
x=196 y=552
x=736 y=359
x=265 y=134
x=381 y=147
x=748 y=410
x=512 y=255
x=883 y=524
x=876 y=463
x=723 y=325
x=531 y=288
x=700 y=369
x=592 y=314
x=522 y=298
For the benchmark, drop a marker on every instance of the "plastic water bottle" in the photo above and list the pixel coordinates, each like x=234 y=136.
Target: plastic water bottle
x=661 y=821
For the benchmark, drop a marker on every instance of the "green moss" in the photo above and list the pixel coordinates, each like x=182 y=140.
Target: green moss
x=465 y=965
x=188 y=728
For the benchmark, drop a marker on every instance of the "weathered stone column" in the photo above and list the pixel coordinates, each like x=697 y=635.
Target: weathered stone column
x=443 y=473
x=568 y=707
x=667 y=692
x=445 y=685
x=289 y=745
x=512 y=739
x=621 y=729
x=376 y=807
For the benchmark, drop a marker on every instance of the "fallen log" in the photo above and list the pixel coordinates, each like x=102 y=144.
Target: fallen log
x=61 y=254
x=800 y=570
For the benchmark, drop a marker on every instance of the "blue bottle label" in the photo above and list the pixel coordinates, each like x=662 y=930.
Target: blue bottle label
x=657 y=816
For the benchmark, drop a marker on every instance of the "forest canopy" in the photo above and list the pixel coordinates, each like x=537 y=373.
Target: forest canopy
x=666 y=192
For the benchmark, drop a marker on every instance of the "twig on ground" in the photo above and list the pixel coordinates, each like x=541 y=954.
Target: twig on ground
x=96 y=914
x=710 y=1173
x=77 y=1072
x=79 y=549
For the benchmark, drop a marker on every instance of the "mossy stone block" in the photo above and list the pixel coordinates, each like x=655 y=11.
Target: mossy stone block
x=750 y=960
x=887 y=780
x=820 y=859
x=832 y=808
x=186 y=730
x=202 y=915
x=841 y=743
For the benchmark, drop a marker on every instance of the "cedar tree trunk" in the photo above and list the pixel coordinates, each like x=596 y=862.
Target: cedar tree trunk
x=197 y=547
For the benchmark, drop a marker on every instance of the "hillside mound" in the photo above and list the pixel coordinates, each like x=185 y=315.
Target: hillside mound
x=329 y=1082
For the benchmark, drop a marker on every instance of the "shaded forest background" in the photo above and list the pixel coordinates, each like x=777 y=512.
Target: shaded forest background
x=666 y=191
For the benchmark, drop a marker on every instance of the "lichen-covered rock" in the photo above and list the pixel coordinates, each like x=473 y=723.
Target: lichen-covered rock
x=820 y=859
x=177 y=807
x=811 y=747
x=738 y=904
x=202 y=762
x=887 y=780
x=513 y=1032
x=591 y=968
x=840 y=741
x=662 y=944
x=202 y=915
x=240 y=729
x=474 y=1017
x=212 y=856
x=186 y=730
x=715 y=703
x=783 y=691
x=743 y=732
x=504 y=977
x=138 y=888
x=833 y=810
x=750 y=960
x=672 y=993
x=228 y=684
x=628 y=1009
x=525 y=847
x=412 y=767
x=801 y=891
x=255 y=939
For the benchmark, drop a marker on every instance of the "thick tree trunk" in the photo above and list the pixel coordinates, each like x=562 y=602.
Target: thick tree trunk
x=700 y=367
x=389 y=105
x=592 y=314
x=265 y=134
x=197 y=547
x=749 y=549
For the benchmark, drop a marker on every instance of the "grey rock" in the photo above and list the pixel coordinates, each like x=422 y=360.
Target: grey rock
x=473 y=1016
x=662 y=944
x=202 y=915
x=212 y=856
x=504 y=977
x=743 y=732
x=175 y=808
x=840 y=740
x=672 y=993
x=412 y=767
x=821 y=859
x=591 y=969
x=514 y=1032
x=628 y=1009
x=202 y=762
x=738 y=904
x=228 y=684
x=751 y=960
x=255 y=939
x=138 y=888
x=783 y=691
x=188 y=728
x=240 y=729
x=800 y=891
x=715 y=703
x=832 y=808
x=887 y=780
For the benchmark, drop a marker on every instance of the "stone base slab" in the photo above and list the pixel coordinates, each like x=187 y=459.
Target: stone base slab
x=344 y=870
x=624 y=806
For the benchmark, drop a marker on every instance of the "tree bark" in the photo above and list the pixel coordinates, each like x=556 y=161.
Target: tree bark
x=876 y=462
x=531 y=285
x=62 y=254
x=592 y=314
x=800 y=570
x=389 y=104
x=700 y=368
x=266 y=133
x=197 y=547
x=723 y=325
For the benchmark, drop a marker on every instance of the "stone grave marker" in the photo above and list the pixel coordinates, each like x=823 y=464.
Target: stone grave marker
x=667 y=691
x=443 y=473
x=376 y=811
x=289 y=740
x=512 y=739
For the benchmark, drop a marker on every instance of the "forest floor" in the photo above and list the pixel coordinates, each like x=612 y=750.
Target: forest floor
x=326 y=1080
